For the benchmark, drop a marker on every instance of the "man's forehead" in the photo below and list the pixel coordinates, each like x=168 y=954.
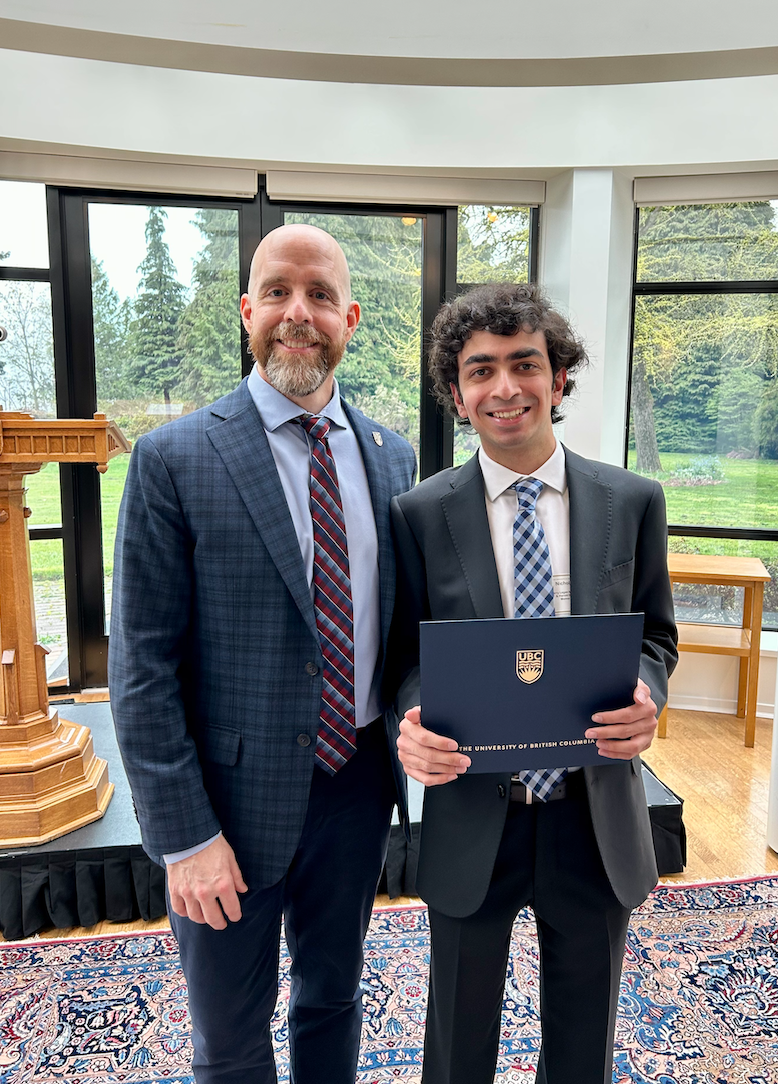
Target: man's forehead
x=315 y=264
x=489 y=342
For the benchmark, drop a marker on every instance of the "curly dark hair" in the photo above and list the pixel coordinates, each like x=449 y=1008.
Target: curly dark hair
x=504 y=309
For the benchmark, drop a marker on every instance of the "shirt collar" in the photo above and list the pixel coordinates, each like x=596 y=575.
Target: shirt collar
x=498 y=478
x=275 y=409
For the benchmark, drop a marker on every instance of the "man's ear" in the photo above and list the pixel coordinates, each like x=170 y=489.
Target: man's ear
x=461 y=411
x=557 y=394
x=353 y=314
x=245 y=312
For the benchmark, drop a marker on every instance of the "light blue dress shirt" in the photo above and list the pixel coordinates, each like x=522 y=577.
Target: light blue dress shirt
x=291 y=452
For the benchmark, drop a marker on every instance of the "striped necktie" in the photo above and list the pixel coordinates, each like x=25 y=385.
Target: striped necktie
x=533 y=597
x=336 y=739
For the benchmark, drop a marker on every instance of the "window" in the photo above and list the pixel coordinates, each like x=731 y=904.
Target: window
x=27 y=383
x=704 y=389
x=165 y=286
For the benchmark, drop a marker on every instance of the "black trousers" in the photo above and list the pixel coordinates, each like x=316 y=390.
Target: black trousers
x=548 y=859
x=325 y=899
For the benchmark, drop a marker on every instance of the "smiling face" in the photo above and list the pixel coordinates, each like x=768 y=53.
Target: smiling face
x=298 y=312
x=507 y=389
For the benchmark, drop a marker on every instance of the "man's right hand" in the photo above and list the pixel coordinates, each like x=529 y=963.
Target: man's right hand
x=428 y=757
x=204 y=887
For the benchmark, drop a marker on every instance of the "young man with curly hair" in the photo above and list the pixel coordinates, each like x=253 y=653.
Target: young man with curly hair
x=577 y=847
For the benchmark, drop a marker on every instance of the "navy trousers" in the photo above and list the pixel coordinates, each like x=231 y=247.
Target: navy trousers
x=548 y=859
x=325 y=900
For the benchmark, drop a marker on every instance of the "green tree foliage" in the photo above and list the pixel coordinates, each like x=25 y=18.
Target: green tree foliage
x=492 y=244
x=209 y=328
x=155 y=356
x=111 y=320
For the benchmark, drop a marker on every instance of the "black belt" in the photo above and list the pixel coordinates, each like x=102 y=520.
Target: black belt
x=569 y=786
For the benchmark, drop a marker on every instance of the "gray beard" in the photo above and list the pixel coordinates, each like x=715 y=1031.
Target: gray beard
x=296 y=379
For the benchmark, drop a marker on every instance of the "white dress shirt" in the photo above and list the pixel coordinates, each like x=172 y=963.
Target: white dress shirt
x=553 y=511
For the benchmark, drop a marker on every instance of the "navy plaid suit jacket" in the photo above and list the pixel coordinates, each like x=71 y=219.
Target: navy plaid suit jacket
x=213 y=634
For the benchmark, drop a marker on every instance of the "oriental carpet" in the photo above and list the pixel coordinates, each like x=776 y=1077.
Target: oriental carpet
x=699 y=1001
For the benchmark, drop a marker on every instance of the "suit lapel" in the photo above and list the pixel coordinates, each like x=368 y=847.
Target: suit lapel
x=464 y=508
x=240 y=439
x=591 y=513
x=379 y=479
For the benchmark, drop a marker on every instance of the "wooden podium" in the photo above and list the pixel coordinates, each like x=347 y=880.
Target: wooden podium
x=51 y=782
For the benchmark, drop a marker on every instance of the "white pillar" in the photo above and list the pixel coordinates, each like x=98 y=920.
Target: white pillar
x=586 y=244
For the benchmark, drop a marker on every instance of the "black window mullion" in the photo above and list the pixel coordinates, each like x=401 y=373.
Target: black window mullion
x=76 y=398
x=25 y=274
x=250 y=230
x=436 y=436
x=534 y=247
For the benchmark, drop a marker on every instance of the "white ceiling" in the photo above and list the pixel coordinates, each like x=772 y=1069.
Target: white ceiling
x=491 y=29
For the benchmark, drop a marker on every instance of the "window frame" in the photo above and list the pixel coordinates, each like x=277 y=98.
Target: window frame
x=677 y=287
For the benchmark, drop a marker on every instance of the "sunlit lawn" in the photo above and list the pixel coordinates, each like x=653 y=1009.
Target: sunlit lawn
x=43 y=499
x=748 y=497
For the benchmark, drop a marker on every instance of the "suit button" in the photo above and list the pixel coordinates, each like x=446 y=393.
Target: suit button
x=501 y=790
x=311 y=668
x=303 y=739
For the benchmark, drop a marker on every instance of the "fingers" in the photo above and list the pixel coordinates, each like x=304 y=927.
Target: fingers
x=428 y=757
x=627 y=731
x=204 y=886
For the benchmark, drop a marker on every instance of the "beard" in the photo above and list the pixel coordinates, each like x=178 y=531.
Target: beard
x=296 y=377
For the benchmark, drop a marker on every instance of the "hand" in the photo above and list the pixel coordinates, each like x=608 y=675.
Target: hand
x=427 y=757
x=628 y=731
x=200 y=883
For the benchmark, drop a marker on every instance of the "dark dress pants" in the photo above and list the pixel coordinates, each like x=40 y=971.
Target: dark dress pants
x=325 y=898
x=548 y=859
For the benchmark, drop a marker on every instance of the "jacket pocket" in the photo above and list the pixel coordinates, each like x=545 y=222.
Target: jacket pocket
x=618 y=573
x=220 y=745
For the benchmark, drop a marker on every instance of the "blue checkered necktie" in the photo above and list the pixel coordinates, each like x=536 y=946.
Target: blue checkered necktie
x=336 y=740
x=533 y=596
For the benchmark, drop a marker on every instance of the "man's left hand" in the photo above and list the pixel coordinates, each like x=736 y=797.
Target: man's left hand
x=628 y=731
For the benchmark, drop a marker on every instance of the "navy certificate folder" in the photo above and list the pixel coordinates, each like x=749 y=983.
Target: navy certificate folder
x=520 y=693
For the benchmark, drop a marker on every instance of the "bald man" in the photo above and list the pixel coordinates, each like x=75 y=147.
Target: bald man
x=253 y=588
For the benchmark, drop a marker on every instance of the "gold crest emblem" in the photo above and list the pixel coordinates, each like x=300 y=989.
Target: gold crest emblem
x=529 y=666
x=378 y=439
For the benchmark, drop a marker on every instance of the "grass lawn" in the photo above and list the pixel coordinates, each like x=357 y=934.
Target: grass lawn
x=748 y=496
x=44 y=500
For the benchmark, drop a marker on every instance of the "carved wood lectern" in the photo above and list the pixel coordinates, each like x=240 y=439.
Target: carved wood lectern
x=51 y=782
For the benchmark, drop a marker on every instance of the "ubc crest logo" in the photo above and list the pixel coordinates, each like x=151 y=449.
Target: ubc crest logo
x=529 y=666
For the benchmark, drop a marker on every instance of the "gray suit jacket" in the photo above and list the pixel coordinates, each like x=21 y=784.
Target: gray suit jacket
x=446 y=571
x=215 y=662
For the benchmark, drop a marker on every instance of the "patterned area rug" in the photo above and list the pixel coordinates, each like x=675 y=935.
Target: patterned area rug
x=699 y=1000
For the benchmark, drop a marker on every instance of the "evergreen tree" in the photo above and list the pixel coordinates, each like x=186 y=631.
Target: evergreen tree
x=111 y=319
x=210 y=327
x=154 y=359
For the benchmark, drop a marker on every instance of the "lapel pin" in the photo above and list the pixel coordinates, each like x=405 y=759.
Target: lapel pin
x=378 y=439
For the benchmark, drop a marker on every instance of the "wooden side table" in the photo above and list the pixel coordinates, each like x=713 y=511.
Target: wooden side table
x=743 y=642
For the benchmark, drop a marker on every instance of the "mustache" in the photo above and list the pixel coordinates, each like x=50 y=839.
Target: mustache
x=290 y=332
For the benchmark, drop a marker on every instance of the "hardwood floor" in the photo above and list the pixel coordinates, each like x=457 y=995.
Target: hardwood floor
x=724 y=787
x=725 y=790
